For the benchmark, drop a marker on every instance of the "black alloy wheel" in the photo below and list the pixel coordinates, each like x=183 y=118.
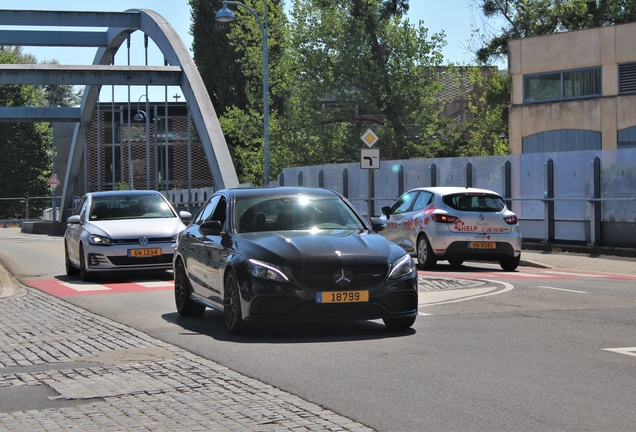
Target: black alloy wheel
x=182 y=291
x=232 y=305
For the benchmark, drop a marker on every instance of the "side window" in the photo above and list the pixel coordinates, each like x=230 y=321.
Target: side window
x=422 y=201
x=206 y=211
x=81 y=207
x=219 y=211
x=404 y=203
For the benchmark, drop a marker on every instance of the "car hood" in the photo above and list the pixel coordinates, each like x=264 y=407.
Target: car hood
x=135 y=228
x=324 y=246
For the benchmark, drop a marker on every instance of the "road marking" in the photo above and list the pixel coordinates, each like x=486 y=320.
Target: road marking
x=458 y=295
x=424 y=314
x=155 y=284
x=563 y=289
x=577 y=274
x=631 y=351
x=85 y=286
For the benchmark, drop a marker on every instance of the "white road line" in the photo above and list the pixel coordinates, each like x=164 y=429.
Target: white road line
x=563 y=289
x=461 y=296
x=528 y=275
x=155 y=284
x=424 y=314
x=576 y=274
x=631 y=351
x=85 y=286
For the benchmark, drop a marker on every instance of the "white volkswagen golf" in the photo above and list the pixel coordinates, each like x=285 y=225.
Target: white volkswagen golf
x=454 y=224
x=121 y=230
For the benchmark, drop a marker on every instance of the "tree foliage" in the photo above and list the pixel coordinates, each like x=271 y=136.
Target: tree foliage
x=229 y=58
x=25 y=153
x=360 y=64
x=524 y=18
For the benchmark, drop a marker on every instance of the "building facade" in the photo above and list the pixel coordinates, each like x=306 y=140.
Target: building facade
x=119 y=152
x=573 y=91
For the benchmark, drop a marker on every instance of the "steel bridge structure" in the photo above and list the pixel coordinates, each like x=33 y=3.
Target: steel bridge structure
x=179 y=70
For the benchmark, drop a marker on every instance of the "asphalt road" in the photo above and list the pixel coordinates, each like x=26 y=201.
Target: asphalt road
x=514 y=351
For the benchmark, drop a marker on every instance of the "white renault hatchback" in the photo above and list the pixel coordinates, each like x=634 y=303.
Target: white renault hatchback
x=121 y=230
x=454 y=224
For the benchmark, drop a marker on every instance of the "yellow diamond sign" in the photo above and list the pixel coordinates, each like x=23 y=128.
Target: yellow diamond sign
x=369 y=138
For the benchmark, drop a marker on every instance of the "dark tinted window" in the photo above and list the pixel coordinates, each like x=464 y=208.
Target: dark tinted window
x=476 y=203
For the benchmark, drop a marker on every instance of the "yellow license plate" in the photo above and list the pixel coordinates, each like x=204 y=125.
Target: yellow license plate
x=482 y=245
x=144 y=252
x=342 y=296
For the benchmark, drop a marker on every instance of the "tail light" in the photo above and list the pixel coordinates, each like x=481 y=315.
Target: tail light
x=444 y=218
x=511 y=220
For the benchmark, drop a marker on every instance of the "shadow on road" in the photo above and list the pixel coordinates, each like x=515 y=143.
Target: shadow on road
x=294 y=332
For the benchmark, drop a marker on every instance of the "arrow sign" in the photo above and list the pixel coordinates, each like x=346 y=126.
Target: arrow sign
x=370 y=158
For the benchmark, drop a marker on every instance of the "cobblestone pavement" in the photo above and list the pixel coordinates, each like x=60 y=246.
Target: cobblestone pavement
x=124 y=380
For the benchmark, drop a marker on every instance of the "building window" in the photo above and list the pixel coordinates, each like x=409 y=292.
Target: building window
x=161 y=159
x=108 y=128
x=562 y=85
x=627 y=78
x=109 y=165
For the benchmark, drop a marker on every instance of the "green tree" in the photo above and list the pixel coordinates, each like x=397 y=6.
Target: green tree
x=24 y=147
x=525 y=18
x=360 y=64
x=229 y=58
x=483 y=127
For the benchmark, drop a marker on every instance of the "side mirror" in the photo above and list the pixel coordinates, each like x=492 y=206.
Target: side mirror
x=210 y=228
x=386 y=211
x=185 y=216
x=75 y=219
x=377 y=224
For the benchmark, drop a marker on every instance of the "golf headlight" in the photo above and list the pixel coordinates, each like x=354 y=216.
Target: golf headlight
x=401 y=267
x=266 y=271
x=99 y=240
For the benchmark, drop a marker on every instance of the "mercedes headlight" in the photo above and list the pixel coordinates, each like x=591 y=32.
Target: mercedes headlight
x=401 y=267
x=266 y=271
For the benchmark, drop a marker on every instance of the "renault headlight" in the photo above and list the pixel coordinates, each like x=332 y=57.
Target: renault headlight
x=266 y=271
x=401 y=267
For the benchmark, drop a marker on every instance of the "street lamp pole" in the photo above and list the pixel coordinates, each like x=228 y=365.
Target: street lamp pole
x=226 y=15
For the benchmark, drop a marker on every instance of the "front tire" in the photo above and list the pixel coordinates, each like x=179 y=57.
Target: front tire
x=71 y=270
x=182 y=291
x=510 y=264
x=232 y=309
x=425 y=256
x=400 y=323
x=84 y=274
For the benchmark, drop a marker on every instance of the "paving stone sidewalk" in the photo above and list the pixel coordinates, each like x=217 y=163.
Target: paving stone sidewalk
x=124 y=380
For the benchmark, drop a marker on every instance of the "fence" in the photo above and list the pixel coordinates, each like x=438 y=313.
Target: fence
x=587 y=196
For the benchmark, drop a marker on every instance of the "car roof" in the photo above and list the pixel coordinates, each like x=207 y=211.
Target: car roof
x=450 y=190
x=280 y=190
x=119 y=193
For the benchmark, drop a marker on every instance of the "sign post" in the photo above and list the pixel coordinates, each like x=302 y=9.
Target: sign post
x=370 y=160
x=54 y=183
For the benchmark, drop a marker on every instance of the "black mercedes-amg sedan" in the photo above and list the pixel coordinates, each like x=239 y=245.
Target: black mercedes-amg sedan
x=291 y=253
